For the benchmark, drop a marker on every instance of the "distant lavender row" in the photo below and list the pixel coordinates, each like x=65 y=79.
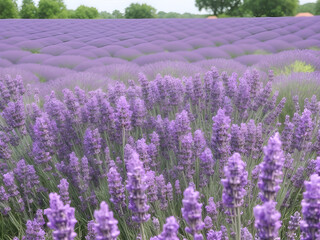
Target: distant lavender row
x=81 y=44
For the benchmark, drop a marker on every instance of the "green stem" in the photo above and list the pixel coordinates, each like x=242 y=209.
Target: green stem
x=142 y=232
x=238 y=224
x=123 y=145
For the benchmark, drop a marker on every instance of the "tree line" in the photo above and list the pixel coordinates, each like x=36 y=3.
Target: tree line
x=51 y=9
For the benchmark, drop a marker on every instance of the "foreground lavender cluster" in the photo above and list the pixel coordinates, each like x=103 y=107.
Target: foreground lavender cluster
x=202 y=157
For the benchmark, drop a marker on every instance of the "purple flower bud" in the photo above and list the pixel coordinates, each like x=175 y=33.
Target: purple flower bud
x=186 y=158
x=287 y=134
x=199 y=142
x=123 y=114
x=191 y=211
x=61 y=219
x=245 y=234
x=63 y=191
x=139 y=113
x=298 y=178
x=263 y=96
x=156 y=224
x=177 y=187
x=237 y=140
x=303 y=132
x=170 y=230
x=116 y=188
x=4 y=199
x=207 y=166
x=221 y=137
x=198 y=89
x=294 y=223
x=250 y=137
x=208 y=222
x=137 y=187
x=234 y=183
x=34 y=231
x=91 y=235
x=14 y=115
x=267 y=220
x=217 y=95
x=142 y=150
x=12 y=190
x=211 y=208
x=311 y=208
x=232 y=88
x=106 y=225
x=189 y=94
x=92 y=142
x=243 y=98
x=271 y=169
x=182 y=124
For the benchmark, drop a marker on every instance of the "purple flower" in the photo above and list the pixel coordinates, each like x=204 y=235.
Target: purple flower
x=199 y=142
x=311 y=208
x=245 y=234
x=34 y=230
x=28 y=179
x=106 y=225
x=137 y=187
x=63 y=191
x=303 y=132
x=271 y=169
x=207 y=165
x=294 y=223
x=198 y=89
x=186 y=158
x=92 y=143
x=162 y=192
x=267 y=220
x=221 y=137
x=237 y=141
x=208 y=222
x=212 y=209
x=139 y=113
x=142 y=150
x=243 y=98
x=170 y=229
x=153 y=187
x=123 y=114
x=234 y=183
x=250 y=137
x=14 y=115
x=182 y=124
x=61 y=219
x=116 y=188
x=4 y=199
x=12 y=190
x=287 y=134
x=91 y=235
x=217 y=95
x=156 y=224
x=177 y=187
x=191 y=211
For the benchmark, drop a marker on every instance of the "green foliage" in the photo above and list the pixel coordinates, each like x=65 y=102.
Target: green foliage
x=52 y=9
x=84 y=12
x=297 y=66
x=136 y=10
x=8 y=9
x=230 y=7
x=105 y=15
x=162 y=14
x=117 y=14
x=272 y=8
x=28 y=9
x=307 y=7
x=317 y=8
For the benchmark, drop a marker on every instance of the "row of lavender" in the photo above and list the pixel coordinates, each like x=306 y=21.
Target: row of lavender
x=134 y=149
x=82 y=44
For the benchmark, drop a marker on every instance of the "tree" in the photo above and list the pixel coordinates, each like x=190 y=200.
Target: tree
x=105 y=15
x=84 y=12
x=52 y=9
x=136 y=10
x=219 y=6
x=8 y=9
x=317 y=8
x=307 y=7
x=117 y=14
x=272 y=8
x=28 y=9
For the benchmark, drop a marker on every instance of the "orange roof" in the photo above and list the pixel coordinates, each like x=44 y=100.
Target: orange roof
x=305 y=14
x=212 y=17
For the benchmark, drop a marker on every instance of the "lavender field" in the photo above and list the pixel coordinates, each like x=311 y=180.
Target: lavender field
x=160 y=129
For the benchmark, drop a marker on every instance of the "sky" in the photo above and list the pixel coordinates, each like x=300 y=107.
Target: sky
x=180 y=6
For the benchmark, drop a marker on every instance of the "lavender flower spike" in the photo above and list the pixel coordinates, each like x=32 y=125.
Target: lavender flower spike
x=234 y=183
x=191 y=212
x=106 y=226
x=63 y=191
x=271 y=169
x=311 y=208
x=267 y=220
x=61 y=219
x=170 y=229
x=137 y=187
